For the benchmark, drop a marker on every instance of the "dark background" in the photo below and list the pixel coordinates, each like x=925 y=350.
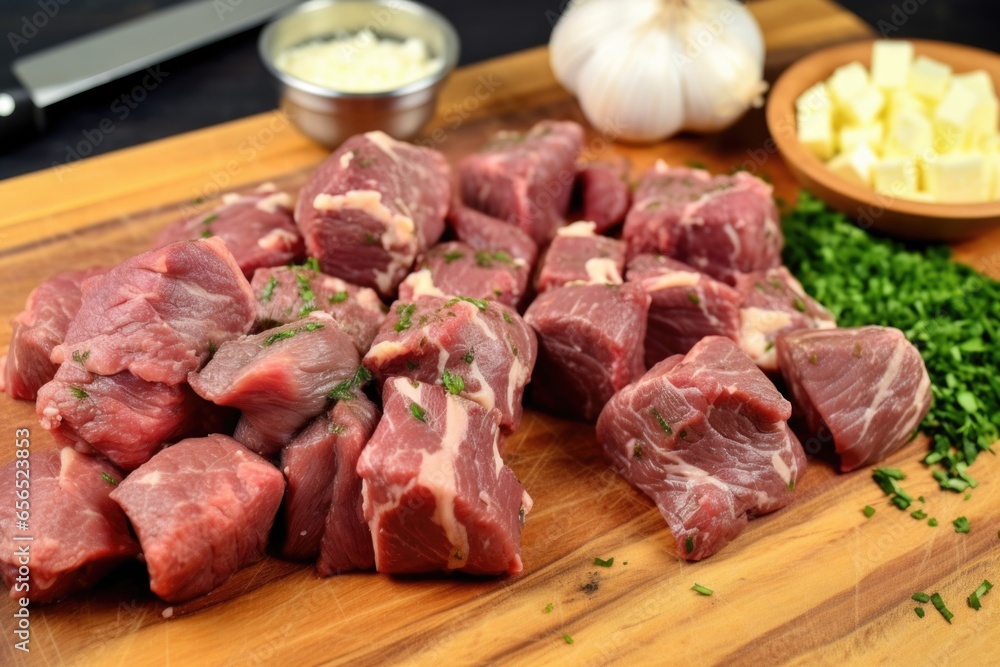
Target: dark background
x=227 y=81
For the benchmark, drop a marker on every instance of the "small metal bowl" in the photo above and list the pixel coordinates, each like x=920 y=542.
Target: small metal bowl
x=330 y=116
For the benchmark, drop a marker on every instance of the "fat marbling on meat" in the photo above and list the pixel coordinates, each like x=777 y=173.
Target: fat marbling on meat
x=160 y=314
x=78 y=534
x=579 y=255
x=706 y=437
x=202 y=509
x=454 y=268
x=437 y=495
x=720 y=224
x=866 y=388
x=372 y=207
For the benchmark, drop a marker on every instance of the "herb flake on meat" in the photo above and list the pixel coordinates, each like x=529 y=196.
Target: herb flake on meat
x=267 y=293
x=109 y=479
x=453 y=383
x=78 y=393
x=405 y=312
x=418 y=413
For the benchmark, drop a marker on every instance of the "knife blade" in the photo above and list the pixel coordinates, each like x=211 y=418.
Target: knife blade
x=39 y=80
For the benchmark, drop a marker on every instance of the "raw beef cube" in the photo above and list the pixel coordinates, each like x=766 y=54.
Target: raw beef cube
x=437 y=496
x=578 y=255
x=484 y=232
x=454 y=268
x=590 y=345
x=706 y=437
x=256 y=226
x=866 y=387
x=721 y=225
x=686 y=306
x=525 y=178
x=319 y=466
x=202 y=510
x=606 y=192
x=481 y=350
x=122 y=417
x=279 y=378
x=775 y=303
x=36 y=331
x=289 y=293
x=160 y=314
x=78 y=533
x=372 y=207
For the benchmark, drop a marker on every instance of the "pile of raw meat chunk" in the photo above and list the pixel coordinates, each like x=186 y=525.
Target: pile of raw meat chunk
x=333 y=377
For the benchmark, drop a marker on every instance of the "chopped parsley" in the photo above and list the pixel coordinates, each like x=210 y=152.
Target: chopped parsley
x=604 y=563
x=961 y=525
x=921 y=597
x=548 y=608
x=80 y=357
x=481 y=304
x=366 y=161
x=212 y=349
x=799 y=305
x=453 y=383
x=506 y=317
x=209 y=219
x=813 y=359
x=344 y=391
x=869 y=511
x=791 y=483
x=693 y=298
x=983 y=589
x=338 y=297
x=940 y=606
x=485 y=259
x=109 y=479
x=661 y=421
x=405 y=312
x=267 y=293
x=701 y=590
x=567 y=638
x=932 y=522
x=919 y=515
x=469 y=357
x=78 y=393
x=206 y=234
x=919 y=611
x=418 y=413
x=453 y=255
x=689 y=545
x=288 y=333
x=888 y=480
x=305 y=289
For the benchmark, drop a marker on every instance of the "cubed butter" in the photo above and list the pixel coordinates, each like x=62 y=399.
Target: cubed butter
x=855 y=165
x=847 y=83
x=910 y=133
x=896 y=176
x=985 y=117
x=816 y=99
x=979 y=81
x=865 y=107
x=898 y=100
x=815 y=132
x=953 y=119
x=929 y=78
x=957 y=177
x=891 y=60
x=850 y=136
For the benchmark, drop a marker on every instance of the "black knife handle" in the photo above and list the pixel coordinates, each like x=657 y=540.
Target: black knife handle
x=20 y=119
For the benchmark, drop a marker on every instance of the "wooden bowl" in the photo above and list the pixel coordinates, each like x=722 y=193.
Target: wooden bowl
x=884 y=212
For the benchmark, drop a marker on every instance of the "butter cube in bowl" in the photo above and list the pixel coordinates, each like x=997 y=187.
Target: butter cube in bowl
x=903 y=136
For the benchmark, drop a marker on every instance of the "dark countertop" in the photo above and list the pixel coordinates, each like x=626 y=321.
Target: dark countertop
x=227 y=81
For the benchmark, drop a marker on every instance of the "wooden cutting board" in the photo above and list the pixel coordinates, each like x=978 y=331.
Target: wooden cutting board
x=814 y=583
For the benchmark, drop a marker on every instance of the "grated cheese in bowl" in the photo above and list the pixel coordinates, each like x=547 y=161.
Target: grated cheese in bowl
x=359 y=63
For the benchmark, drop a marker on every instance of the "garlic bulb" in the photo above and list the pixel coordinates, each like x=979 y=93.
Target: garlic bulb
x=646 y=69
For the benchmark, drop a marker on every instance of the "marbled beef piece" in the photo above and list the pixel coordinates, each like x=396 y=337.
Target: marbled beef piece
x=489 y=234
x=121 y=416
x=437 y=495
x=372 y=207
x=525 y=179
x=721 y=225
x=578 y=255
x=288 y=293
x=160 y=314
x=605 y=191
x=590 y=345
x=454 y=268
x=78 y=533
x=38 y=329
x=202 y=509
x=481 y=350
x=319 y=466
x=705 y=436
x=866 y=387
x=279 y=378
x=256 y=226
x=775 y=303
x=685 y=306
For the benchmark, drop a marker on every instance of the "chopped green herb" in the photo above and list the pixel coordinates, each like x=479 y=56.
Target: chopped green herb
x=371 y=239
x=405 y=312
x=469 y=357
x=344 y=391
x=337 y=429
x=206 y=234
x=288 y=333
x=888 y=480
x=869 y=511
x=197 y=201
x=78 y=393
x=604 y=563
x=701 y=590
x=968 y=496
x=453 y=383
x=921 y=597
x=961 y=525
x=365 y=162
x=209 y=219
x=689 y=545
x=769 y=346
x=507 y=318
x=481 y=304
x=311 y=264
x=485 y=259
x=109 y=479
x=791 y=483
x=267 y=293
x=661 y=421
x=919 y=515
x=548 y=608
x=80 y=357
x=450 y=257
x=212 y=349
x=983 y=589
x=696 y=164
x=338 y=297
x=418 y=412
x=813 y=359
x=932 y=522
x=305 y=289
x=921 y=499
x=567 y=638
x=940 y=606
x=919 y=611
x=693 y=297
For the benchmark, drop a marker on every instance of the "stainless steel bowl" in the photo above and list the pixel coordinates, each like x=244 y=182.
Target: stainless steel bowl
x=330 y=116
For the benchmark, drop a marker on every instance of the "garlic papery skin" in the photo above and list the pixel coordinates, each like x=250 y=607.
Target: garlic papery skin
x=644 y=70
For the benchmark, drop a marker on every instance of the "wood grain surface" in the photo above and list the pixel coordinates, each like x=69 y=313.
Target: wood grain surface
x=816 y=583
